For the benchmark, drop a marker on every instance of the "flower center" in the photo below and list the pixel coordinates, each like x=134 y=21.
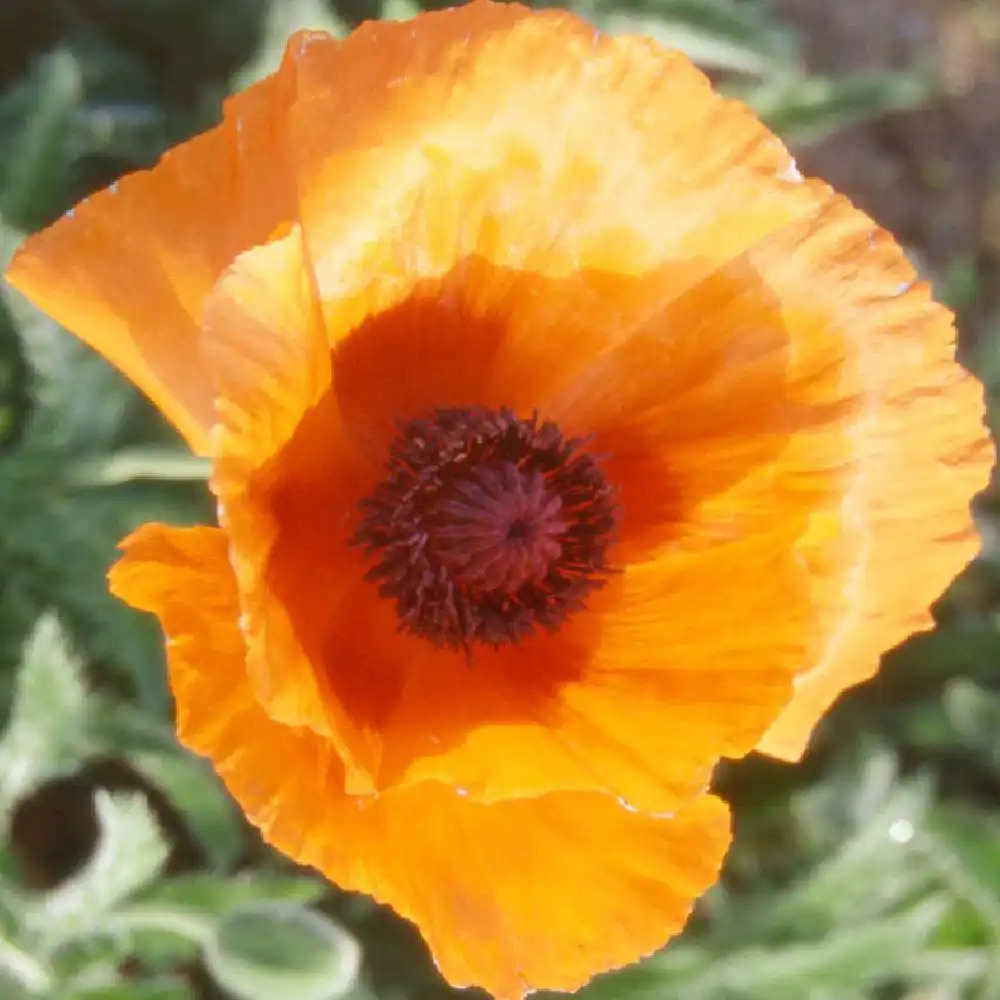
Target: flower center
x=498 y=527
x=487 y=527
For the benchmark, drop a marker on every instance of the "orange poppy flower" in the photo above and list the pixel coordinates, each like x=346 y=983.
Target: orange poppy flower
x=565 y=441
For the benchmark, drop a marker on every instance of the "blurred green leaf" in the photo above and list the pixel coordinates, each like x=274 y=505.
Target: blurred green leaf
x=399 y=10
x=47 y=729
x=15 y=386
x=843 y=962
x=140 y=463
x=10 y=239
x=81 y=402
x=965 y=849
x=867 y=874
x=717 y=34
x=56 y=544
x=265 y=950
x=707 y=48
x=193 y=788
x=174 y=990
x=156 y=938
x=173 y=920
x=35 y=162
x=974 y=712
x=806 y=109
x=130 y=853
x=210 y=895
x=21 y=974
x=846 y=960
x=57 y=533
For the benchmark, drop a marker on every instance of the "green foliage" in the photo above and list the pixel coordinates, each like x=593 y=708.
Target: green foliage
x=256 y=949
x=77 y=483
x=46 y=731
x=121 y=925
x=870 y=872
x=718 y=34
x=43 y=112
x=805 y=109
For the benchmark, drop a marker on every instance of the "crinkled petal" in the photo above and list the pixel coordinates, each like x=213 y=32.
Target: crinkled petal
x=809 y=382
x=902 y=529
x=523 y=895
x=283 y=491
x=464 y=162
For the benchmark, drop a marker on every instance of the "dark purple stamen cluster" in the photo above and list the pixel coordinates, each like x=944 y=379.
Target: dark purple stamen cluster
x=487 y=526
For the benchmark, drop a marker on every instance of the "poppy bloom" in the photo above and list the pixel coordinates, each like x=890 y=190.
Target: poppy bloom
x=565 y=442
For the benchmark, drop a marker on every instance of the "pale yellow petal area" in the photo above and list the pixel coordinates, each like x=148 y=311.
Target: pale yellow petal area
x=540 y=146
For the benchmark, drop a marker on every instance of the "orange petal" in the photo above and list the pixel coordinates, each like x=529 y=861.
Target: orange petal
x=127 y=270
x=481 y=335
x=524 y=721
x=432 y=350
x=537 y=894
x=524 y=895
x=903 y=529
x=688 y=660
x=494 y=113
x=808 y=382
x=458 y=290
x=285 y=477
x=689 y=406
x=464 y=161
x=401 y=711
x=288 y=482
